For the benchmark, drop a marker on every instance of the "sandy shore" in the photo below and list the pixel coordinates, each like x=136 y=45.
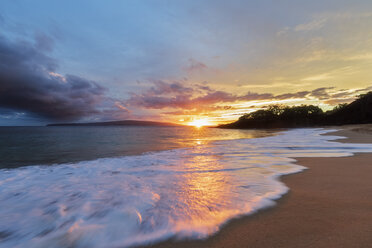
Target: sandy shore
x=329 y=205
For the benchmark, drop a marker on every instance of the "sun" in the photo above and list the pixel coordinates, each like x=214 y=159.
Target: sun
x=200 y=123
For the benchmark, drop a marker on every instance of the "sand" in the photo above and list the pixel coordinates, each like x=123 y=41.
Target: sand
x=329 y=205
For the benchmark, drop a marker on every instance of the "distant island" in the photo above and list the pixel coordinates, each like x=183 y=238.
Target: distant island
x=281 y=116
x=118 y=123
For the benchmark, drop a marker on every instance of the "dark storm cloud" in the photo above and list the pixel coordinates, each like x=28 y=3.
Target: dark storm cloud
x=29 y=83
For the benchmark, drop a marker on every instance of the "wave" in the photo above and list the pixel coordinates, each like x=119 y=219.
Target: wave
x=133 y=200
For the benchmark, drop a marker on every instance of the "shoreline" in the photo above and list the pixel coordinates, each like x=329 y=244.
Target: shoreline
x=328 y=205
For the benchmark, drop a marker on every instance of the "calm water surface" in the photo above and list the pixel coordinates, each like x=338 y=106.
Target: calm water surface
x=22 y=146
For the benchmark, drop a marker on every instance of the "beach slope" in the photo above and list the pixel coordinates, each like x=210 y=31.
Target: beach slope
x=329 y=205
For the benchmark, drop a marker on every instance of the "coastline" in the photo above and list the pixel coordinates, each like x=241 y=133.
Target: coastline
x=328 y=205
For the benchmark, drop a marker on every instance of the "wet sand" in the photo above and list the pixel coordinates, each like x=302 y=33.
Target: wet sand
x=329 y=205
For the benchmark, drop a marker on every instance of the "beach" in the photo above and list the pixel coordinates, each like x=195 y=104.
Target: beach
x=250 y=189
x=166 y=124
x=328 y=205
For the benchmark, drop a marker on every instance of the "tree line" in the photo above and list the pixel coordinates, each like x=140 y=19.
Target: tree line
x=282 y=116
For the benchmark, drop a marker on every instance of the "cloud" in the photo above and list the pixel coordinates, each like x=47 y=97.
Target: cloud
x=174 y=95
x=313 y=25
x=321 y=93
x=196 y=100
x=319 y=77
x=121 y=106
x=208 y=110
x=29 y=83
x=166 y=95
x=255 y=96
x=214 y=97
x=339 y=101
x=204 y=87
x=334 y=97
x=300 y=94
x=159 y=102
x=364 y=56
x=162 y=87
x=195 y=66
x=364 y=90
x=43 y=42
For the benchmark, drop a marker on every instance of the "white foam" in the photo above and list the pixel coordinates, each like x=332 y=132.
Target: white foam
x=119 y=202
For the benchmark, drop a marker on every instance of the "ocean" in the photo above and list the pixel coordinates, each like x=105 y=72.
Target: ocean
x=24 y=146
x=124 y=186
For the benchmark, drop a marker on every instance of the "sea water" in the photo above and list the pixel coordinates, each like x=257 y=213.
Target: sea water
x=140 y=199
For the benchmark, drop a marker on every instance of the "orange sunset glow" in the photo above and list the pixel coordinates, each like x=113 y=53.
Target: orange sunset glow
x=200 y=123
x=185 y=123
x=140 y=70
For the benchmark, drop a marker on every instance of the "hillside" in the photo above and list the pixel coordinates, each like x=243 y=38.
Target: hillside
x=357 y=112
x=279 y=116
x=118 y=123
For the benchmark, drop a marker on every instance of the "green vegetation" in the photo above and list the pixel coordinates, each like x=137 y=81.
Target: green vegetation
x=281 y=116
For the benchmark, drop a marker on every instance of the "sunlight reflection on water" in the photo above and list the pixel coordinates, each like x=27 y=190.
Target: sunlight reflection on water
x=187 y=193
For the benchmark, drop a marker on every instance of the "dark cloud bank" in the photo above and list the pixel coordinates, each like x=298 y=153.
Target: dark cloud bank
x=28 y=83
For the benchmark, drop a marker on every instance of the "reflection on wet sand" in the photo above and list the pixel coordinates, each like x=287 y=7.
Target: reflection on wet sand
x=126 y=201
x=205 y=193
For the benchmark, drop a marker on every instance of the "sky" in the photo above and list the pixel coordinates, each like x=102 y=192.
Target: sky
x=178 y=61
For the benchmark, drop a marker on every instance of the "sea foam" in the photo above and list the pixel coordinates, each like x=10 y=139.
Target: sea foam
x=132 y=200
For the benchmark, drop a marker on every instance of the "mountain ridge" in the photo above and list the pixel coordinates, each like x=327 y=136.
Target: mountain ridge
x=118 y=123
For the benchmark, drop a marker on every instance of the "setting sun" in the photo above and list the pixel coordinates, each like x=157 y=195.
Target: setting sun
x=164 y=123
x=200 y=123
